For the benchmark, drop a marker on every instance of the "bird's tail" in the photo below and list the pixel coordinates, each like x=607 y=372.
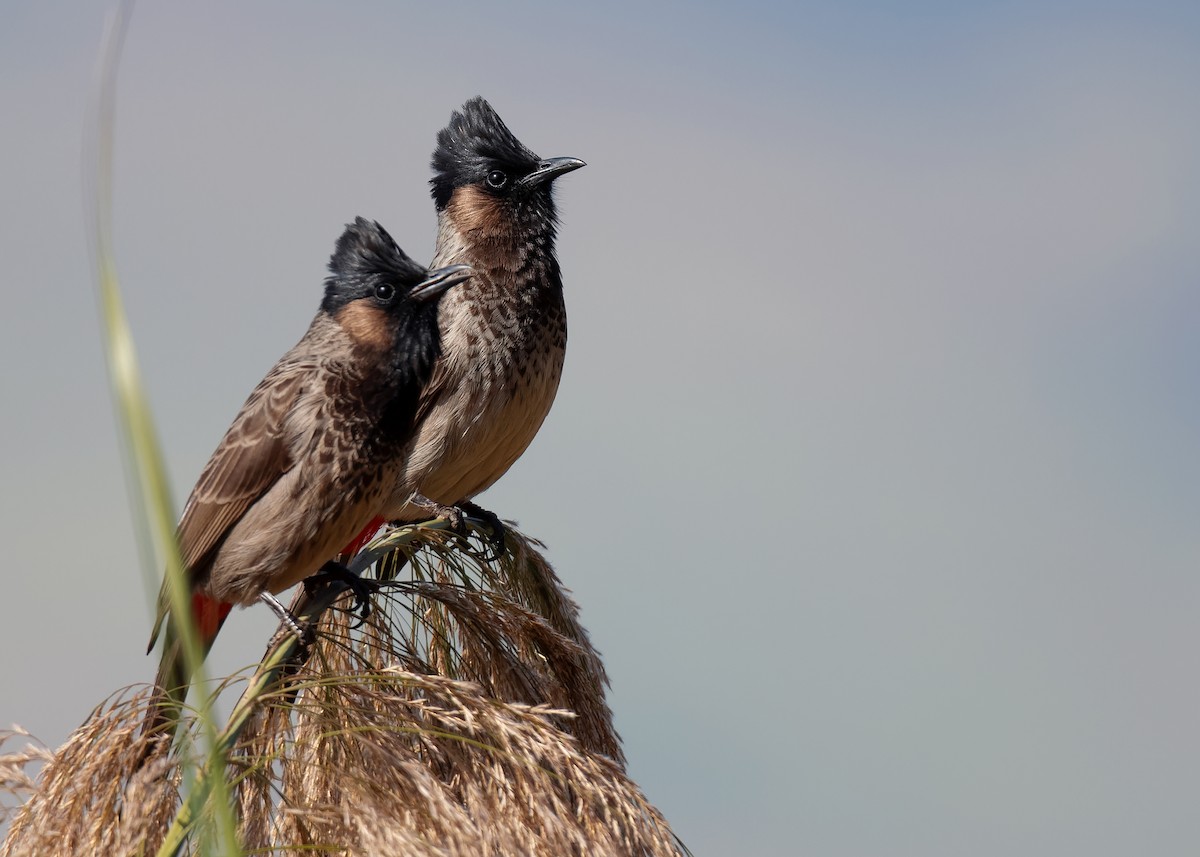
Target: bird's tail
x=171 y=683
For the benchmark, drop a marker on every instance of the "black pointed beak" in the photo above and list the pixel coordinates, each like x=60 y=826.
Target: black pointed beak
x=550 y=169
x=439 y=281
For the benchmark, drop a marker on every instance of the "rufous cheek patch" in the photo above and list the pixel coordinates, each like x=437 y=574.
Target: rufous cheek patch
x=367 y=324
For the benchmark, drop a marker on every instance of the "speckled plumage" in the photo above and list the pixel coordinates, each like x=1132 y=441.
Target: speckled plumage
x=504 y=332
x=316 y=448
x=303 y=466
x=312 y=453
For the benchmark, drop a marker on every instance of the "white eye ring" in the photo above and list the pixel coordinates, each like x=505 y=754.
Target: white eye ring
x=385 y=292
x=497 y=179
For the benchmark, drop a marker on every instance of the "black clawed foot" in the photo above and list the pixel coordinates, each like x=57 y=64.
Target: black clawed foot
x=303 y=634
x=492 y=521
x=362 y=589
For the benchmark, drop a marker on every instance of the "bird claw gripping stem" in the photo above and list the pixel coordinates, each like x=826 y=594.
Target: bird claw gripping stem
x=457 y=516
x=362 y=589
x=489 y=519
x=452 y=515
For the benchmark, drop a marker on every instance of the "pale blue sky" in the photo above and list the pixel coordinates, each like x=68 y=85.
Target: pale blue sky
x=884 y=361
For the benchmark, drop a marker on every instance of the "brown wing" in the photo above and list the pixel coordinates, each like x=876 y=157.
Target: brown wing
x=251 y=457
x=433 y=390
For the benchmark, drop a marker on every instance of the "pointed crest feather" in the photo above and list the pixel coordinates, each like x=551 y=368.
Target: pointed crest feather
x=364 y=249
x=474 y=137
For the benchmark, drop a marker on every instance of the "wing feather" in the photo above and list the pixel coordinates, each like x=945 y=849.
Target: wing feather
x=251 y=458
x=433 y=390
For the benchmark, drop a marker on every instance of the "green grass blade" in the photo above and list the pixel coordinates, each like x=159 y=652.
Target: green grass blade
x=154 y=516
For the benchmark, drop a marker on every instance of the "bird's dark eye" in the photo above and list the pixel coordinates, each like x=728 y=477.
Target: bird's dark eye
x=497 y=179
x=385 y=292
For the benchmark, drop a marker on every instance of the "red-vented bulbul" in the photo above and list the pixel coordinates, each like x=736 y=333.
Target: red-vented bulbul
x=317 y=448
x=504 y=332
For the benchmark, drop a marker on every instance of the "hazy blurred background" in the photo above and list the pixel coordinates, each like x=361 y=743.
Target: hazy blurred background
x=874 y=466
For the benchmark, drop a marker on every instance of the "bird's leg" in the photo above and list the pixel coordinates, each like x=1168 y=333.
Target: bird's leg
x=492 y=521
x=451 y=514
x=454 y=515
x=286 y=617
x=362 y=589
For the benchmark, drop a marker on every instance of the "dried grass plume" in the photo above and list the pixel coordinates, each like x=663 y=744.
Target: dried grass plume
x=467 y=716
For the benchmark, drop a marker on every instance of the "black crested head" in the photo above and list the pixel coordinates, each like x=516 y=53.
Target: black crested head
x=367 y=261
x=475 y=143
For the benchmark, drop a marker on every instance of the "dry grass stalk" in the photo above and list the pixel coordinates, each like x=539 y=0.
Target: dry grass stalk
x=467 y=716
x=510 y=626
x=84 y=800
x=17 y=772
x=394 y=762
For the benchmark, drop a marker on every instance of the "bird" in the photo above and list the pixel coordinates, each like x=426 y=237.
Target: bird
x=503 y=333
x=315 y=450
